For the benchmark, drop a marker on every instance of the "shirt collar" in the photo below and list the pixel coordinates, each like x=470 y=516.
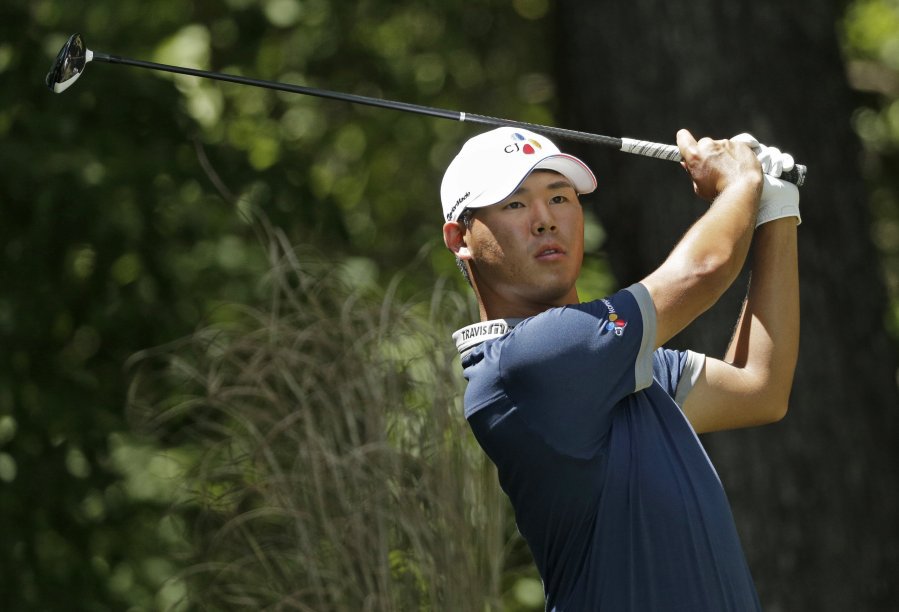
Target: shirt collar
x=472 y=335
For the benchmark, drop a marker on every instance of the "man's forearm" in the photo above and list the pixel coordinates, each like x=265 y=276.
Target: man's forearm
x=766 y=342
x=706 y=260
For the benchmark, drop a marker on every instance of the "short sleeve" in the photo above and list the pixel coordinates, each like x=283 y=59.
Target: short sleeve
x=565 y=369
x=677 y=372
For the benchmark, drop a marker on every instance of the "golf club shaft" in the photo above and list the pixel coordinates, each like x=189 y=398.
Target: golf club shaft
x=628 y=145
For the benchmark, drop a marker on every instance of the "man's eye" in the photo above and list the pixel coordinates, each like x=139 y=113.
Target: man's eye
x=558 y=199
x=514 y=205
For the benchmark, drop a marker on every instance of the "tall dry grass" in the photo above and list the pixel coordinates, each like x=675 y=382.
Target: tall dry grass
x=333 y=468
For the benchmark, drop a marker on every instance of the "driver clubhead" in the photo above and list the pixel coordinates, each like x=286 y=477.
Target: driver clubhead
x=69 y=64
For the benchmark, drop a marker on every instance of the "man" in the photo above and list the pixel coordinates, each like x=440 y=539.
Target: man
x=592 y=426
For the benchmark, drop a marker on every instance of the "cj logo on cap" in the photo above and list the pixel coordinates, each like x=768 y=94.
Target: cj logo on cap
x=528 y=148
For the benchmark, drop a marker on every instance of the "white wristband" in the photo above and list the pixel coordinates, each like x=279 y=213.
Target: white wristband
x=779 y=199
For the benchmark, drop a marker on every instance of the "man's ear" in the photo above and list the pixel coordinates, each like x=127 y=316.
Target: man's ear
x=454 y=238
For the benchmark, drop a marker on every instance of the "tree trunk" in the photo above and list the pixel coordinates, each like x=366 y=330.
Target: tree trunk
x=815 y=497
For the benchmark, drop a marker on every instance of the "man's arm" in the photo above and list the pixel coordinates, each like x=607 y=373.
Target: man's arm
x=712 y=252
x=751 y=386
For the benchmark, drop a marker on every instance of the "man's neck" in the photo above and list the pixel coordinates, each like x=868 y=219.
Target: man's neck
x=506 y=309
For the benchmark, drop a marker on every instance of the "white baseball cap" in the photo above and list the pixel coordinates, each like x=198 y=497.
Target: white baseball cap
x=492 y=165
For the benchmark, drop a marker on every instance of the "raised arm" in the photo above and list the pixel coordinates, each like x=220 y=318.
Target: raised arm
x=751 y=385
x=710 y=255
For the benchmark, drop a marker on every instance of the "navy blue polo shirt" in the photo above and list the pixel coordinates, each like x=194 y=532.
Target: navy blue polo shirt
x=612 y=490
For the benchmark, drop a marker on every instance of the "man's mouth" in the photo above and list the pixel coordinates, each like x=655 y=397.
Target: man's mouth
x=550 y=252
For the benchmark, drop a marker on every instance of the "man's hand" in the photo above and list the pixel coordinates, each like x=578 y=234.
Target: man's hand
x=714 y=165
x=779 y=198
x=774 y=161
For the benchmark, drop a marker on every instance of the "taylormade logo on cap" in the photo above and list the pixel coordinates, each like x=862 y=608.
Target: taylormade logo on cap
x=492 y=165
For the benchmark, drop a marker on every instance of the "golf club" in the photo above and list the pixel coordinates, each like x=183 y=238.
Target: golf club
x=74 y=57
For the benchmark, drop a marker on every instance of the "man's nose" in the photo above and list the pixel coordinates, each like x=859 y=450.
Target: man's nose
x=543 y=219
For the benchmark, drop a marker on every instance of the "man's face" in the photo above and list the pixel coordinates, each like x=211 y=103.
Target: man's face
x=526 y=251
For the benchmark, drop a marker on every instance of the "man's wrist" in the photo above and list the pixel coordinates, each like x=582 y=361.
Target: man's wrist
x=779 y=199
x=746 y=186
x=745 y=180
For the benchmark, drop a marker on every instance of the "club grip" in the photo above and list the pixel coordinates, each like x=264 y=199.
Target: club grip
x=795 y=176
x=672 y=153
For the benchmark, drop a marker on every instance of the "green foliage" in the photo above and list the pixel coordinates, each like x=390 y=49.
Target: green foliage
x=871 y=30
x=96 y=224
x=870 y=34
x=335 y=471
x=126 y=204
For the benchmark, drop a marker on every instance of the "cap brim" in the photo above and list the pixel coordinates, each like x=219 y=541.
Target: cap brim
x=576 y=171
x=582 y=179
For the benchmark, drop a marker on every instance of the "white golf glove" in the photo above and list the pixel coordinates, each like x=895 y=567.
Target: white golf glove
x=779 y=198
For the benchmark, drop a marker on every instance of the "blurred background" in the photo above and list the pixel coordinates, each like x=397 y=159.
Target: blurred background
x=226 y=380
